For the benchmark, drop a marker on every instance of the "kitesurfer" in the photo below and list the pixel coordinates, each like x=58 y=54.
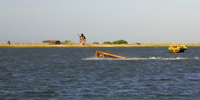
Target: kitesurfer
x=82 y=38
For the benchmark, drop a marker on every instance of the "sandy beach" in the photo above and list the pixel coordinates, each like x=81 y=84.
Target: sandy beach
x=97 y=45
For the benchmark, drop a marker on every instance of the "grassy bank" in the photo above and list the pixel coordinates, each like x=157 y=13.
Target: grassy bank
x=97 y=45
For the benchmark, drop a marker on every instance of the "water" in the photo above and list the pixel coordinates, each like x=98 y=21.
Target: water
x=74 y=74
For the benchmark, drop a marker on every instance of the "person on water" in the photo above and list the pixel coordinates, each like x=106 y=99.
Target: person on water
x=82 y=38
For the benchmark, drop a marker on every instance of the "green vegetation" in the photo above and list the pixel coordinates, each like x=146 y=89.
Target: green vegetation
x=67 y=42
x=138 y=43
x=116 y=42
x=107 y=42
x=120 y=42
x=63 y=42
x=95 y=43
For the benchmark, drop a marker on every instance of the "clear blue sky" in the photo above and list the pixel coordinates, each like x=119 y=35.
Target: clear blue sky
x=100 y=20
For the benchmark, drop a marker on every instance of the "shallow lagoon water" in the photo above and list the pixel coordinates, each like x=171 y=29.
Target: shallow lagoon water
x=151 y=73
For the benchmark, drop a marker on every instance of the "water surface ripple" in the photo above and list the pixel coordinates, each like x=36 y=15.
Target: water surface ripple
x=151 y=73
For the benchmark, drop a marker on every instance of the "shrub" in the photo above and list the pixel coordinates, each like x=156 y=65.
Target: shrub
x=95 y=43
x=67 y=42
x=63 y=42
x=107 y=42
x=120 y=42
x=138 y=43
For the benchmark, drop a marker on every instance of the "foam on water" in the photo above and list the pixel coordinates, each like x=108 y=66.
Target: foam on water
x=148 y=58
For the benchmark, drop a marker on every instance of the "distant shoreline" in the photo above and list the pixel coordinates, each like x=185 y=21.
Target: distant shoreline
x=97 y=45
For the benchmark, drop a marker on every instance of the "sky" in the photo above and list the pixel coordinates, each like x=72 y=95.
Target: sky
x=142 y=21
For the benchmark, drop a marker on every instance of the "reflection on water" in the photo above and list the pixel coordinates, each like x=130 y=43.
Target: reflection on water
x=74 y=73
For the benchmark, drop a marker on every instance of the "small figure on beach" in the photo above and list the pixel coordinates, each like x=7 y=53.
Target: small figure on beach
x=82 y=39
x=9 y=42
